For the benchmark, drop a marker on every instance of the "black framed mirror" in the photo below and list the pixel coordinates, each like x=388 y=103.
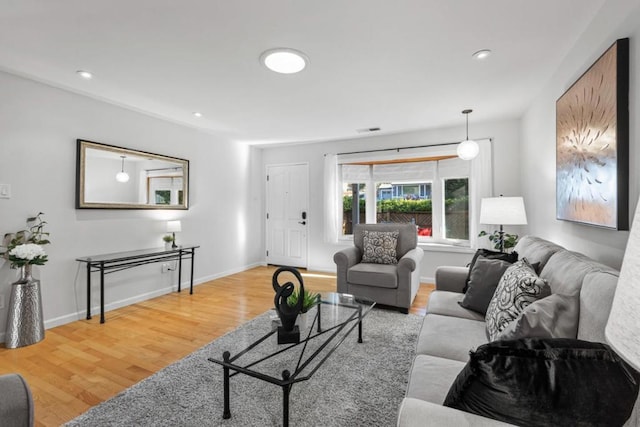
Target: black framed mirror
x=110 y=177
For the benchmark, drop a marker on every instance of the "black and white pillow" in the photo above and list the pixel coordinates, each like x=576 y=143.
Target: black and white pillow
x=518 y=287
x=380 y=247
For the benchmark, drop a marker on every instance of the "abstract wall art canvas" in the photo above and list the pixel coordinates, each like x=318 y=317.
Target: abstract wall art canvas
x=592 y=144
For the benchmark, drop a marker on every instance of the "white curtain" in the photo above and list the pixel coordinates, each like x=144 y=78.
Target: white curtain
x=481 y=186
x=331 y=196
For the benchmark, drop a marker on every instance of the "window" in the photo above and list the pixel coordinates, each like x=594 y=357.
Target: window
x=163 y=197
x=456 y=208
x=431 y=193
x=354 y=209
x=428 y=186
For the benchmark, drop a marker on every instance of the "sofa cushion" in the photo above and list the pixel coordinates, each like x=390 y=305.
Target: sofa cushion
x=407 y=237
x=483 y=281
x=379 y=247
x=596 y=297
x=536 y=250
x=446 y=303
x=510 y=257
x=418 y=413
x=450 y=337
x=431 y=377
x=555 y=316
x=378 y=275
x=565 y=271
x=535 y=382
x=518 y=287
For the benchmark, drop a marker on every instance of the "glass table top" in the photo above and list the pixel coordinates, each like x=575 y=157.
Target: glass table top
x=255 y=345
x=140 y=253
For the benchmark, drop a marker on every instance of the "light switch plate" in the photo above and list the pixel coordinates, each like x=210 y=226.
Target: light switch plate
x=5 y=191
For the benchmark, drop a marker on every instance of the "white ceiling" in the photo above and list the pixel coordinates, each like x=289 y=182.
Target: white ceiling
x=395 y=64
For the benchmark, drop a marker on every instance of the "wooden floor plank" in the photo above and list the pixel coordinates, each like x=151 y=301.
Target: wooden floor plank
x=83 y=363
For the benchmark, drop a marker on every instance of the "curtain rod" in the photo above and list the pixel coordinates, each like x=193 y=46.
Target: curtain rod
x=405 y=148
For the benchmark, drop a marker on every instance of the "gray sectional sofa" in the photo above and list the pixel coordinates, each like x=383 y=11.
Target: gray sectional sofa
x=16 y=402
x=449 y=331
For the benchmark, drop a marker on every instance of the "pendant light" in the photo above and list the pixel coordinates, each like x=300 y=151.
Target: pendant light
x=122 y=176
x=468 y=149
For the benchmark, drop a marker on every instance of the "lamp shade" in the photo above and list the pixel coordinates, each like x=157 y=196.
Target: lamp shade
x=468 y=150
x=174 y=226
x=122 y=177
x=622 y=331
x=503 y=210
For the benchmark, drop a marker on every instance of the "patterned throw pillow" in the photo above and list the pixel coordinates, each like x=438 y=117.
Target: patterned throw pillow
x=380 y=247
x=518 y=287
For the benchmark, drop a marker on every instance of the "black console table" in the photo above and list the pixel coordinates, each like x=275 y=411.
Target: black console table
x=110 y=263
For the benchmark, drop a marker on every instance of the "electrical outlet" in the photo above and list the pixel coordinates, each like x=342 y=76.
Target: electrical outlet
x=1 y=302
x=165 y=267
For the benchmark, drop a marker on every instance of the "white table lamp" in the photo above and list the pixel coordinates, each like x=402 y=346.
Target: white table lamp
x=503 y=211
x=623 y=328
x=174 y=227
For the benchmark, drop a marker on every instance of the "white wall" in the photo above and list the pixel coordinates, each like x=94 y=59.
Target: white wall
x=617 y=19
x=39 y=126
x=505 y=136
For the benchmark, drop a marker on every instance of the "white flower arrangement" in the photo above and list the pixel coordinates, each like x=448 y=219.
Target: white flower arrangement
x=29 y=252
x=25 y=246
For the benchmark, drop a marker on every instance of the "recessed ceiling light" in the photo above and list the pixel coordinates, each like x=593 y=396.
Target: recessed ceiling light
x=197 y=114
x=84 y=74
x=284 y=60
x=481 y=54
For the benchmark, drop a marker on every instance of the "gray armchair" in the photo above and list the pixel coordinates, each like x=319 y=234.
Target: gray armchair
x=389 y=284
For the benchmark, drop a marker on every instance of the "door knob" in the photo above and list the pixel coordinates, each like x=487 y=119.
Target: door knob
x=302 y=222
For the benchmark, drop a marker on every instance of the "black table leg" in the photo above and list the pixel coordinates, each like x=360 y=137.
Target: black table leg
x=102 y=292
x=359 y=324
x=226 y=414
x=180 y=270
x=193 y=255
x=285 y=399
x=89 y=291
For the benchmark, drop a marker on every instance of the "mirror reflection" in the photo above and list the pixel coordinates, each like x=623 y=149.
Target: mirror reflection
x=113 y=177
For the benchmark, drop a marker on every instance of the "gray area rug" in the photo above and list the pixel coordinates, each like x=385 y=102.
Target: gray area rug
x=359 y=385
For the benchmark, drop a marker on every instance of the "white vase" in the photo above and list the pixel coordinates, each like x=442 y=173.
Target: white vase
x=167 y=246
x=302 y=321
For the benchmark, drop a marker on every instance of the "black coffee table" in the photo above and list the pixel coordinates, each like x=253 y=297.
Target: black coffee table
x=327 y=325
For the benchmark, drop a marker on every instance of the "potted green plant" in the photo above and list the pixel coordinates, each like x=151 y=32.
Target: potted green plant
x=168 y=240
x=309 y=299
x=510 y=240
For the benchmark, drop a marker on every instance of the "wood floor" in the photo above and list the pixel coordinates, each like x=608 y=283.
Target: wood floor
x=83 y=363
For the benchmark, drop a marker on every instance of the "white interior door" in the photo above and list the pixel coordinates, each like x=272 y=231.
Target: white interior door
x=287 y=214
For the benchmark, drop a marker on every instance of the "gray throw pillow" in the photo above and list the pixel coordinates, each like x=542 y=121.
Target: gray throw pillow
x=483 y=281
x=379 y=247
x=555 y=316
x=518 y=287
